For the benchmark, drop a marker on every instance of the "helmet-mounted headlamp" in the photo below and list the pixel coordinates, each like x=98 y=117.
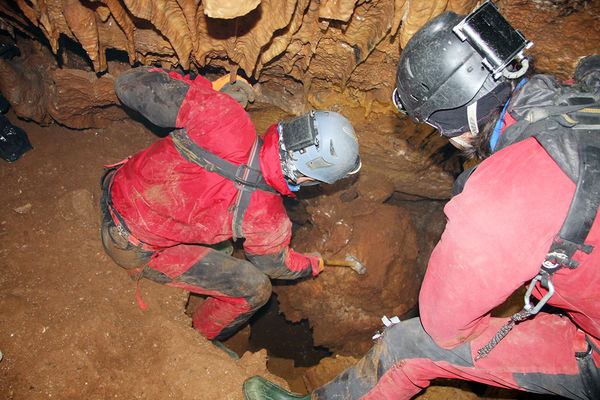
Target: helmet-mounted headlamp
x=496 y=41
x=296 y=135
x=300 y=132
x=455 y=60
x=319 y=145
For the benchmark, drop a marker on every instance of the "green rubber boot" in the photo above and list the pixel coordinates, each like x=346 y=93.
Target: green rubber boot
x=258 y=388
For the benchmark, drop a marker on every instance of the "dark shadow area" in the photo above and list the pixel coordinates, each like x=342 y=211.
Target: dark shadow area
x=270 y=330
x=72 y=55
x=221 y=28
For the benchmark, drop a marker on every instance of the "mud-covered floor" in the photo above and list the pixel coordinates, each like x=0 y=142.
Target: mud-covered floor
x=70 y=324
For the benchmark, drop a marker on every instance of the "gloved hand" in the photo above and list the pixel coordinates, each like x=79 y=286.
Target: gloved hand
x=240 y=90
x=316 y=263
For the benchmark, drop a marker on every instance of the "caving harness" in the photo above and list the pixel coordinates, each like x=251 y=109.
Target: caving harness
x=565 y=120
x=247 y=177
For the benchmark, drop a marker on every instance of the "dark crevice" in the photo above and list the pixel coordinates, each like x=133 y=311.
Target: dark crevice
x=270 y=330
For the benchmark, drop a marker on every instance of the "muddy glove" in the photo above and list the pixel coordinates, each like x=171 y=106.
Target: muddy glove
x=317 y=263
x=240 y=90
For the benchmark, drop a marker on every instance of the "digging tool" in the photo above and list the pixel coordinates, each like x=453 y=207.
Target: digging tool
x=350 y=262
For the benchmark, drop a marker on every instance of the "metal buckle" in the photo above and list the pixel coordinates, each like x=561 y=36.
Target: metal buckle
x=241 y=182
x=584 y=354
x=555 y=259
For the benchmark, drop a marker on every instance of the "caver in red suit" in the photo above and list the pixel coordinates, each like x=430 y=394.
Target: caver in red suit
x=164 y=215
x=499 y=229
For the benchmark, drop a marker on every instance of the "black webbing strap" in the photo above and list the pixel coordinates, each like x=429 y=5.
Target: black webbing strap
x=582 y=211
x=246 y=177
x=211 y=162
x=242 y=199
x=572 y=235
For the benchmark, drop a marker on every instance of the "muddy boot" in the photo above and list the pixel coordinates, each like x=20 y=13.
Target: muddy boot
x=226 y=349
x=258 y=388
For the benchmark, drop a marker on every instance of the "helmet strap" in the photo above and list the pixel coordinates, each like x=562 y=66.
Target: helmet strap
x=472 y=118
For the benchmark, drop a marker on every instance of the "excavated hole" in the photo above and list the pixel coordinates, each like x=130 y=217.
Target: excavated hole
x=289 y=345
x=283 y=339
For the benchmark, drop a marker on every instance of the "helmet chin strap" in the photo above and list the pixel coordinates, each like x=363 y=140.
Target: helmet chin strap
x=472 y=118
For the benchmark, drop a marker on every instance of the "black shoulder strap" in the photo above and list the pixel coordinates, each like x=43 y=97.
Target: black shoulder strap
x=583 y=209
x=246 y=177
x=243 y=175
x=461 y=180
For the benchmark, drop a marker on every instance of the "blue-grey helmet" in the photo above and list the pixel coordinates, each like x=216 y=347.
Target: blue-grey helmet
x=321 y=145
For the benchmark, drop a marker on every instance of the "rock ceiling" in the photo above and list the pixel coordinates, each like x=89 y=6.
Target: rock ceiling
x=338 y=54
x=250 y=33
x=349 y=45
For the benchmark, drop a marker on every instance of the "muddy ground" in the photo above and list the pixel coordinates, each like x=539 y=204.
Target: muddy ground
x=70 y=324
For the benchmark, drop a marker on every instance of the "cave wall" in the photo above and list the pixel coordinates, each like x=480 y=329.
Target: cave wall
x=353 y=219
x=350 y=47
x=299 y=54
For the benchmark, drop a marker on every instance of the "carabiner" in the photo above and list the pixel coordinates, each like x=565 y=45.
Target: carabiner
x=544 y=300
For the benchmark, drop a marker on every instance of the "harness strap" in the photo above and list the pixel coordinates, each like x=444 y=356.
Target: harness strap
x=582 y=211
x=246 y=177
x=242 y=199
x=137 y=274
x=213 y=163
x=122 y=229
x=571 y=237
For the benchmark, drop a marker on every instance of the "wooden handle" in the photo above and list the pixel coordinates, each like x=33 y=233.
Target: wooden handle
x=340 y=263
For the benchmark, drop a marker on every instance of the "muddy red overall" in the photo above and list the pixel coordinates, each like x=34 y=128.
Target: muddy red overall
x=498 y=230
x=163 y=212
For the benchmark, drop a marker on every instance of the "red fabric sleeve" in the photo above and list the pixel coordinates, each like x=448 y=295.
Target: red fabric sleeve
x=271 y=231
x=298 y=262
x=497 y=234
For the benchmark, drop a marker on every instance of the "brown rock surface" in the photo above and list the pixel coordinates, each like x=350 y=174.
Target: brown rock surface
x=562 y=31
x=253 y=33
x=228 y=8
x=40 y=91
x=340 y=303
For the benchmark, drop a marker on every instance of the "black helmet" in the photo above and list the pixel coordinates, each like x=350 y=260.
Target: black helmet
x=455 y=59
